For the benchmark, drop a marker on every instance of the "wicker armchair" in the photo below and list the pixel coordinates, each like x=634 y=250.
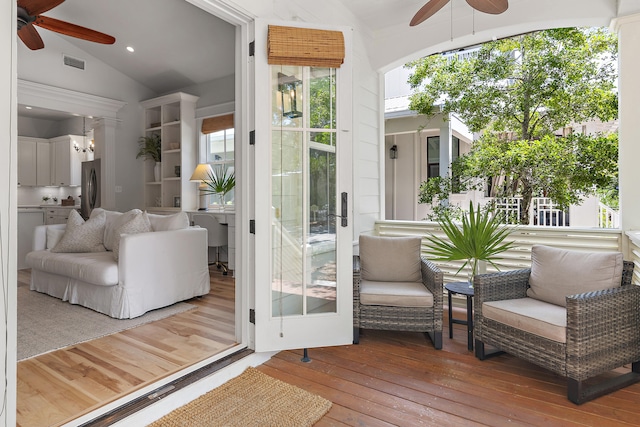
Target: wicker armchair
x=602 y=333
x=400 y=314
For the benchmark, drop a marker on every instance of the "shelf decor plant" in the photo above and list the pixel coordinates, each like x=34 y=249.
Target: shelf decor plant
x=479 y=237
x=219 y=182
x=150 y=148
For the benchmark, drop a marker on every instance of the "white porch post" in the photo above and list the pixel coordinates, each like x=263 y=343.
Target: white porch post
x=445 y=147
x=628 y=30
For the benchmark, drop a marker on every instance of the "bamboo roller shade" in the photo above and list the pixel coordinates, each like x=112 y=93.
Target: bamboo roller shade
x=304 y=46
x=215 y=124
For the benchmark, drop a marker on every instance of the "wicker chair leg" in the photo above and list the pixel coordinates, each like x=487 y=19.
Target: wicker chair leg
x=356 y=335
x=578 y=392
x=482 y=354
x=436 y=339
x=479 y=346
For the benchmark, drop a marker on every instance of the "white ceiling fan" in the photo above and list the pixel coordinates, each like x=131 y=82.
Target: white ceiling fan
x=493 y=7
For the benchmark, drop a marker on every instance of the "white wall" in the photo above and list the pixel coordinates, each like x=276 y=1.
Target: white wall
x=8 y=213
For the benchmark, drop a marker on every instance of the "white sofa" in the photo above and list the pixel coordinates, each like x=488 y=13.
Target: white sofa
x=154 y=269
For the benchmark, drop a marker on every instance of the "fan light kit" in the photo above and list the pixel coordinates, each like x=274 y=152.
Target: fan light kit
x=493 y=7
x=29 y=15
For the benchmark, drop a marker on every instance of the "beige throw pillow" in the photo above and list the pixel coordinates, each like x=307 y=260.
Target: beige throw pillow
x=139 y=223
x=81 y=236
x=556 y=273
x=390 y=259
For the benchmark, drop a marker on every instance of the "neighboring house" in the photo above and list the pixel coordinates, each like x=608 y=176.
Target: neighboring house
x=378 y=39
x=419 y=147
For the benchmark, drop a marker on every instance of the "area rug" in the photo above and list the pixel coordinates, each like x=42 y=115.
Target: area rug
x=46 y=323
x=251 y=399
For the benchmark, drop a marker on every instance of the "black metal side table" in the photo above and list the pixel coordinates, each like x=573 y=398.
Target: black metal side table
x=461 y=288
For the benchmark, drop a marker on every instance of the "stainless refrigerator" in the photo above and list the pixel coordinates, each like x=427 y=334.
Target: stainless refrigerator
x=90 y=187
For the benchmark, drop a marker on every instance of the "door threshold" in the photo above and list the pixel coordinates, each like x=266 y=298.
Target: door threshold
x=128 y=409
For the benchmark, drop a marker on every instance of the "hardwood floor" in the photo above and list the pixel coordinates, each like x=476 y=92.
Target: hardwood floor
x=57 y=387
x=398 y=379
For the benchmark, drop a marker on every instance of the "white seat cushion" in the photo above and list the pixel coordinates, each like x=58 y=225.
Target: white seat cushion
x=98 y=268
x=530 y=315
x=395 y=294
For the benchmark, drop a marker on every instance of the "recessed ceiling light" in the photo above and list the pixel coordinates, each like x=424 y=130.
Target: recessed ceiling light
x=28 y=108
x=130 y=49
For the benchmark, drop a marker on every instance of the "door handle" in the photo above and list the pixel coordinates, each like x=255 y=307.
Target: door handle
x=343 y=210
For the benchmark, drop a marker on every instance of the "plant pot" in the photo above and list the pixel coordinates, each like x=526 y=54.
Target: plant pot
x=157 y=171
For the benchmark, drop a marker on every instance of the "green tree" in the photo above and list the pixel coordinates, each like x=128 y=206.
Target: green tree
x=517 y=92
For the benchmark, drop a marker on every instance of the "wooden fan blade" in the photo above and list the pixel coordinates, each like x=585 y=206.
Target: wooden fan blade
x=36 y=7
x=493 y=7
x=73 y=30
x=428 y=10
x=30 y=37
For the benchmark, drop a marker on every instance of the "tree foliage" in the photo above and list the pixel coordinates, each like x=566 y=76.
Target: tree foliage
x=517 y=93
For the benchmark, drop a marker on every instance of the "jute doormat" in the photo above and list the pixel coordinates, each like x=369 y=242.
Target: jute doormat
x=251 y=399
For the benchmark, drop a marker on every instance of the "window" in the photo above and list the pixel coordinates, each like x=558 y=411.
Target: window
x=433 y=154
x=218 y=138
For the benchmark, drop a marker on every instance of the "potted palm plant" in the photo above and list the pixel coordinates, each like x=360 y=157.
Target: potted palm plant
x=150 y=148
x=219 y=182
x=479 y=237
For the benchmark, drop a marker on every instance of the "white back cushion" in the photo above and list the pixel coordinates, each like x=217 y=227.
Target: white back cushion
x=556 y=273
x=390 y=259
x=176 y=221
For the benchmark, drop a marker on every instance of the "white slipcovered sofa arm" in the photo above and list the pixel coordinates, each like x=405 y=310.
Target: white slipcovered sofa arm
x=151 y=264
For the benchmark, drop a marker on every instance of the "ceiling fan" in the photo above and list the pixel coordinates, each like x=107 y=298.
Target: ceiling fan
x=29 y=14
x=493 y=7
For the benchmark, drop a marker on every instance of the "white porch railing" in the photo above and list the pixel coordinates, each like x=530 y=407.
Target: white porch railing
x=586 y=239
x=607 y=217
x=541 y=212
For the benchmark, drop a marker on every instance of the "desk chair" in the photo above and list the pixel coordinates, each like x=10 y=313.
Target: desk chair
x=217 y=236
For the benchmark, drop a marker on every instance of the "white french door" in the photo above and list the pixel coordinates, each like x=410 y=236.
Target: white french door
x=303 y=183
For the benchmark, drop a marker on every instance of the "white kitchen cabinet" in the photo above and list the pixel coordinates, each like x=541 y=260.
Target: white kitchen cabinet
x=43 y=163
x=172 y=117
x=66 y=161
x=57 y=214
x=27 y=161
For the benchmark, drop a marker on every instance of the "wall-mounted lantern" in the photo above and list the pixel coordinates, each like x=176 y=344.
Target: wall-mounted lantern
x=288 y=88
x=393 y=152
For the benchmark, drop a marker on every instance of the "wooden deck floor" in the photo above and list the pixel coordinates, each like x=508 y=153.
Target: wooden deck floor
x=60 y=386
x=399 y=379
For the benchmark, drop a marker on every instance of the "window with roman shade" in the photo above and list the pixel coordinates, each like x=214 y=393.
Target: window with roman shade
x=304 y=46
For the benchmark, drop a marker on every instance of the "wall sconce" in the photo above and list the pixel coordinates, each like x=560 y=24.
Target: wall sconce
x=287 y=86
x=393 y=152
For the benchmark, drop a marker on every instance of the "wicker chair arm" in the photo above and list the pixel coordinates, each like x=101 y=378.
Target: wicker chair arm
x=433 y=279
x=610 y=315
x=501 y=286
x=603 y=330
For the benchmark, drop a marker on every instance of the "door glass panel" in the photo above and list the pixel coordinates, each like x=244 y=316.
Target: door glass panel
x=304 y=191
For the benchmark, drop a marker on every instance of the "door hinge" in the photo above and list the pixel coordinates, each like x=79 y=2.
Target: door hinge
x=252 y=316
x=252 y=226
x=252 y=48
x=252 y=137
